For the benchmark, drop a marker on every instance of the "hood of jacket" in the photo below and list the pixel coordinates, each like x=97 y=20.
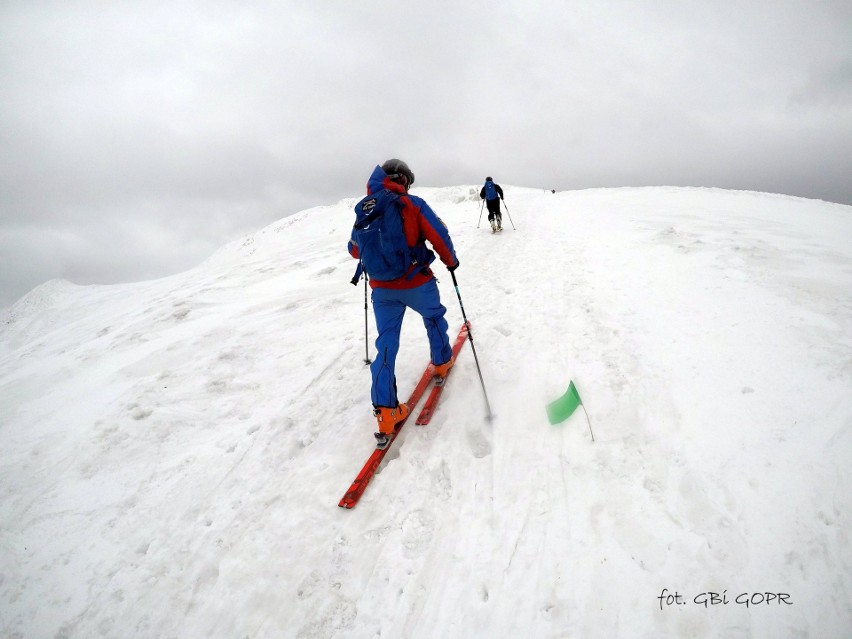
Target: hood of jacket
x=379 y=180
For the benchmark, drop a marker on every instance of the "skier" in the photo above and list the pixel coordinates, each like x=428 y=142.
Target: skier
x=492 y=194
x=417 y=288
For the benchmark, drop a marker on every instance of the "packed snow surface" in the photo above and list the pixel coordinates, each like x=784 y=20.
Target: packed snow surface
x=173 y=451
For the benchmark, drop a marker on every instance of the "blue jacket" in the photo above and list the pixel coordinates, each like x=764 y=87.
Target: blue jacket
x=420 y=224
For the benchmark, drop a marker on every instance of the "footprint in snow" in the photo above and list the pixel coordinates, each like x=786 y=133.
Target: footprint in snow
x=478 y=442
x=505 y=331
x=326 y=271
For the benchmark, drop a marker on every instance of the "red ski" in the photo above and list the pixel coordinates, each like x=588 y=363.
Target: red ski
x=432 y=401
x=357 y=488
x=360 y=484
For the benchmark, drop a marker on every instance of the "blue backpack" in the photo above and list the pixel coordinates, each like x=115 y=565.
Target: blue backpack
x=378 y=233
x=490 y=191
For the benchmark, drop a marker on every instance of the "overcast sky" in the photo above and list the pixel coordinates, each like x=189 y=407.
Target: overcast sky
x=136 y=138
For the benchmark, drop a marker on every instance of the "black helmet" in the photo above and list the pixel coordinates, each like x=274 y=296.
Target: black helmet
x=488 y=179
x=396 y=168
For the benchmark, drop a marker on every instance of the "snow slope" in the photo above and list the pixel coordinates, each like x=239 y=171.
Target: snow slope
x=174 y=450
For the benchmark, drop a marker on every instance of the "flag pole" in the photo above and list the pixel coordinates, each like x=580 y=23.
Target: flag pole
x=583 y=406
x=589 y=421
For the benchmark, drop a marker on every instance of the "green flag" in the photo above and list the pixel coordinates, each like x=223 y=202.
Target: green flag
x=561 y=409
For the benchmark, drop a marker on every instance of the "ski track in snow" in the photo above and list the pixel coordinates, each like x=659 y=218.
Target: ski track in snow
x=174 y=450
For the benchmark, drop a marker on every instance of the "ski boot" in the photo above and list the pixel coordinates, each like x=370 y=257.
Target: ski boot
x=441 y=371
x=387 y=420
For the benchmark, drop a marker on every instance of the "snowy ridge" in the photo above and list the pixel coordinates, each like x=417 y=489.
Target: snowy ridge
x=174 y=450
x=38 y=300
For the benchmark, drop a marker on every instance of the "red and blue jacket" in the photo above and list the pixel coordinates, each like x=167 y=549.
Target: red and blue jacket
x=420 y=224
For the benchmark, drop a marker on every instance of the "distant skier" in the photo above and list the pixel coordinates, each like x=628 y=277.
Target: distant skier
x=492 y=194
x=413 y=285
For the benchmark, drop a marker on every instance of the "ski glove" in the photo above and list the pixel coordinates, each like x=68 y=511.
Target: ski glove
x=454 y=267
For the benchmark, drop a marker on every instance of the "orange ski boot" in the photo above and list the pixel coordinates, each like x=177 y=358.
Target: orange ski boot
x=442 y=370
x=387 y=420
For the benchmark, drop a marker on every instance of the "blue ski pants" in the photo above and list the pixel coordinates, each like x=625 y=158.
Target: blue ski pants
x=389 y=307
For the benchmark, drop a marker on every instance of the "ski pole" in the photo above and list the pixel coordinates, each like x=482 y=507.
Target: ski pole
x=472 y=347
x=358 y=272
x=480 y=213
x=509 y=214
x=366 y=339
